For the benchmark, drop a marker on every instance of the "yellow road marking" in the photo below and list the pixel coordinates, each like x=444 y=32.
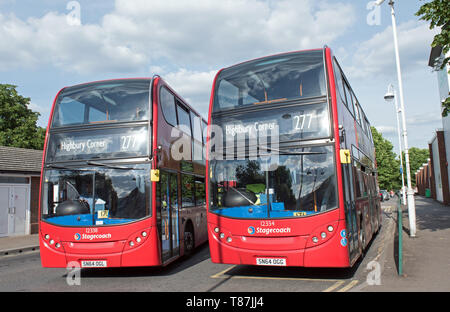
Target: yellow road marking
x=220 y=274
x=334 y=286
x=281 y=278
x=350 y=285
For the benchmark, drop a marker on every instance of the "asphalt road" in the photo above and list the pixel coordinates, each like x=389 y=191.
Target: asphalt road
x=195 y=274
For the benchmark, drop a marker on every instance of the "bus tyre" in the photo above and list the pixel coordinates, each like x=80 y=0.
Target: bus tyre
x=189 y=241
x=362 y=239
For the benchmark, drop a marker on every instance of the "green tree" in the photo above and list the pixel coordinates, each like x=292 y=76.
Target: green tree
x=437 y=12
x=388 y=165
x=417 y=157
x=18 y=126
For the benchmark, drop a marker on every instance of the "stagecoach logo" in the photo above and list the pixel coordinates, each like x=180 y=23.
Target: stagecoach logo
x=96 y=236
x=268 y=231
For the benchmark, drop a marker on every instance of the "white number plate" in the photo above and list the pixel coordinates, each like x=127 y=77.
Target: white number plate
x=271 y=261
x=94 y=264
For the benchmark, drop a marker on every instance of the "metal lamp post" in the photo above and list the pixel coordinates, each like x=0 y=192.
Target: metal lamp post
x=411 y=201
x=391 y=95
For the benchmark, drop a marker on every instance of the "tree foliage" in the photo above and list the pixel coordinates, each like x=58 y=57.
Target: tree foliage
x=437 y=12
x=388 y=165
x=18 y=126
x=417 y=157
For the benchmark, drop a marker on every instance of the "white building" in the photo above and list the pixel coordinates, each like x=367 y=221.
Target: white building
x=440 y=144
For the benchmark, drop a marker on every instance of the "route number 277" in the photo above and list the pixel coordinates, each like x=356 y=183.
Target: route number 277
x=127 y=142
x=300 y=121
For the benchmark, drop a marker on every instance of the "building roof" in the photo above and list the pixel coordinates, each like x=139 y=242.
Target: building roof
x=13 y=159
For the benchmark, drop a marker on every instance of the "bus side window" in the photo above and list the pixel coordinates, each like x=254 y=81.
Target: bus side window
x=339 y=82
x=358 y=182
x=167 y=101
x=356 y=108
x=184 y=121
x=187 y=191
x=197 y=134
x=200 y=191
x=349 y=98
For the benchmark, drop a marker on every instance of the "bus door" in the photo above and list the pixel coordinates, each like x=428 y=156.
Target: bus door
x=372 y=204
x=350 y=204
x=169 y=234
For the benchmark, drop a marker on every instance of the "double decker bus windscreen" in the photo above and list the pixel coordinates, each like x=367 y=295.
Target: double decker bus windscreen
x=295 y=182
x=103 y=102
x=104 y=196
x=102 y=105
x=270 y=80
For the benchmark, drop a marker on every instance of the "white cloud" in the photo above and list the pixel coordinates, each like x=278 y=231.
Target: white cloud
x=376 y=55
x=185 y=34
x=206 y=32
x=51 y=40
x=424 y=118
x=193 y=86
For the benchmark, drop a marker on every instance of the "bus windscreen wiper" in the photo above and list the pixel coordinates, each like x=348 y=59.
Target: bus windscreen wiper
x=57 y=167
x=96 y=163
x=60 y=167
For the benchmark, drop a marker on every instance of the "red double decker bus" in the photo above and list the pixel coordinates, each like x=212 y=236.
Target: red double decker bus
x=291 y=169
x=114 y=190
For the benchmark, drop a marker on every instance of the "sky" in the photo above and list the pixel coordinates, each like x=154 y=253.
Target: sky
x=46 y=45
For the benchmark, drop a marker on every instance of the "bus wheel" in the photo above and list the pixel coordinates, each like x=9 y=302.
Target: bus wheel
x=362 y=238
x=189 y=241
